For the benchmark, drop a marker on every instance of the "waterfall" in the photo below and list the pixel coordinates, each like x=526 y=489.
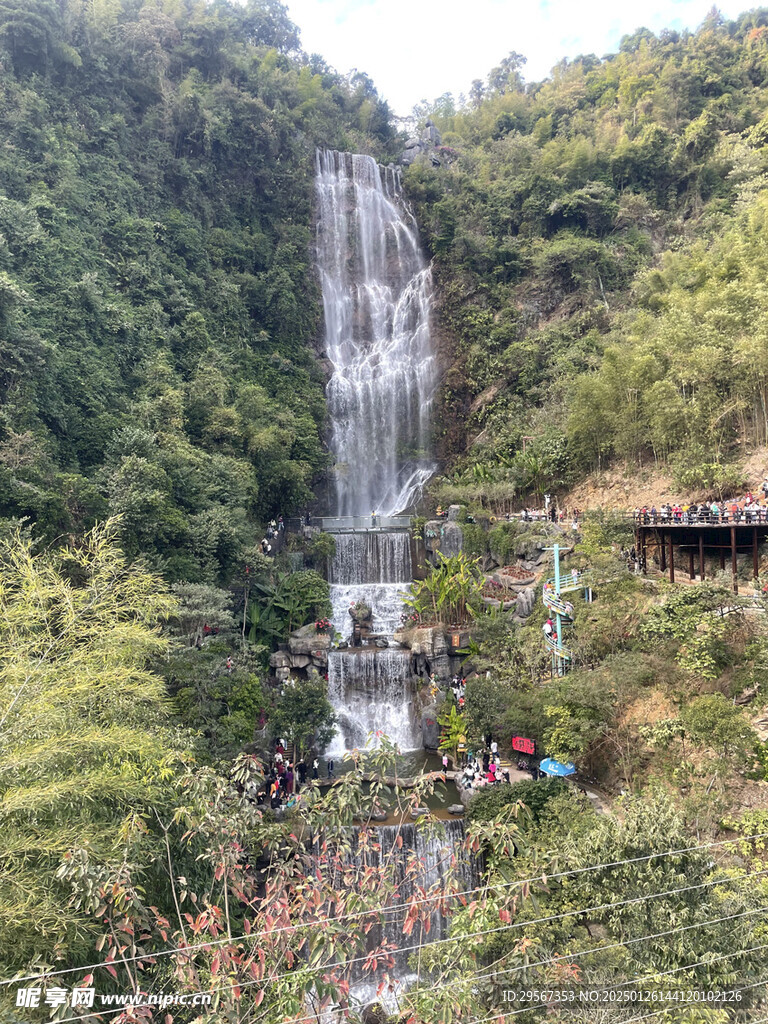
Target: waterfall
x=374 y=567
x=385 y=600
x=372 y=557
x=376 y=291
x=426 y=859
x=441 y=859
x=376 y=288
x=371 y=692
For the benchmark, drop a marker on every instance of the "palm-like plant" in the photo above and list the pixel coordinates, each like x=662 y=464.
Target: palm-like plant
x=453 y=730
x=451 y=593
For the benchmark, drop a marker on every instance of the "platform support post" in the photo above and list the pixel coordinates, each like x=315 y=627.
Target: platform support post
x=701 y=557
x=734 y=563
x=755 y=556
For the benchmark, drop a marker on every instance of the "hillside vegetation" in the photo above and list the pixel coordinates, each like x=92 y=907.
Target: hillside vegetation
x=599 y=243
x=157 y=305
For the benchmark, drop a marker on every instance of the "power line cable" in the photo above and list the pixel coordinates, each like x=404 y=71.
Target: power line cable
x=213 y=943
x=475 y=977
x=409 y=949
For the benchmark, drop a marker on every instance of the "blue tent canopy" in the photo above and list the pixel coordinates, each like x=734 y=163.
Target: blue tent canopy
x=552 y=767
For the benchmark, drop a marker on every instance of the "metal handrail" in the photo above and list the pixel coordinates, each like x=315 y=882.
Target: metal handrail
x=573 y=580
x=723 y=517
x=551 y=602
x=558 y=648
x=342 y=524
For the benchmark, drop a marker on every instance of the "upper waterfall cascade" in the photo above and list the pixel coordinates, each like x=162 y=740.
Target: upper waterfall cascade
x=376 y=290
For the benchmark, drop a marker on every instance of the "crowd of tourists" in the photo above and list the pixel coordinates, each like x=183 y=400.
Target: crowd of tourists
x=458 y=687
x=275 y=532
x=748 y=509
x=482 y=768
x=285 y=780
x=549 y=514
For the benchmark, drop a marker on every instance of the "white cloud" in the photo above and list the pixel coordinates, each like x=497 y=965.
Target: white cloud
x=419 y=49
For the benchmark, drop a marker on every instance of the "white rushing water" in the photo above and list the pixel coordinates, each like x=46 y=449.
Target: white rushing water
x=371 y=689
x=371 y=692
x=385 y=599
x=374 y=567
x=372 y=557
x=376 y=297
x=376 y=290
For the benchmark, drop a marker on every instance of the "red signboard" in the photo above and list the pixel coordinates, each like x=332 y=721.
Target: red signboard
x=525 y=746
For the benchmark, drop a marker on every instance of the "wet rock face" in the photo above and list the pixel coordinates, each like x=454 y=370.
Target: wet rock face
x=443 y=535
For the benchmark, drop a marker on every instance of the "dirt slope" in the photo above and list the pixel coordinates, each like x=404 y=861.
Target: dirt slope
x=617 y=488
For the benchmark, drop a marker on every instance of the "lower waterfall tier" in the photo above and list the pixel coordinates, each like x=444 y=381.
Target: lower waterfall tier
x=385 y=599
x=428 y=860
x=371 y=692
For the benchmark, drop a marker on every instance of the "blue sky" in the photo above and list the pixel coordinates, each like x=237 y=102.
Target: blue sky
x=419 y=49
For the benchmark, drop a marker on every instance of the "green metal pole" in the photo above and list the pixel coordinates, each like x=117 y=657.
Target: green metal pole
x=560 y=662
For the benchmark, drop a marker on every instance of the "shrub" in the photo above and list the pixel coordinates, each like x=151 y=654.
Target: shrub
x=488 y=804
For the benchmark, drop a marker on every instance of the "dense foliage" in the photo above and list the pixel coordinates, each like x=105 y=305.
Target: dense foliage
x=599 y=249
x=599 y=241
x=450 y=592
x=157 y=309
x=87 y=751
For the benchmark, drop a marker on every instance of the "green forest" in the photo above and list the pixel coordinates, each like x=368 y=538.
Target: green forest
x=599 y=251
x=599 y=245
x=158 y=312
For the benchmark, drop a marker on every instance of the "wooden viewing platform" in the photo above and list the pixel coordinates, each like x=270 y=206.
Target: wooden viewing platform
x=723 y=537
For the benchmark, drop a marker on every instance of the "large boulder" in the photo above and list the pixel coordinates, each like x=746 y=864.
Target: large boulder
x=526 y=600
x=413 y=149
x=430 y=646
x=431 y=134
x=452 y=540
x=430 y=730
x=443 y=535
x=304 y=631
x=310 y=645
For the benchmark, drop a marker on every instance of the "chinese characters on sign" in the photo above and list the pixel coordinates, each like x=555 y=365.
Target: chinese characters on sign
x=524 y=745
